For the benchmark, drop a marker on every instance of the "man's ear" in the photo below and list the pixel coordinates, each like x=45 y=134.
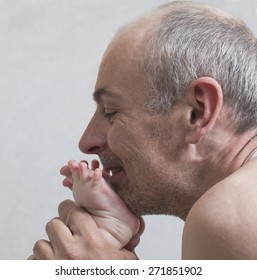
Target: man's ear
x=205 y=100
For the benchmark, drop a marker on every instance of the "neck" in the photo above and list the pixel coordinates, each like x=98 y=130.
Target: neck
x=246 y=147
x=222 y=157
x=217 y=158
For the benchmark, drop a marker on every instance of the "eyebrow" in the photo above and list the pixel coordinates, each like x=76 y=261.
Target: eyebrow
x=97 y=95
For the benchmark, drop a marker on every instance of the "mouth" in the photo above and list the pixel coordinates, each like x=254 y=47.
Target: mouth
x=114 y=174
x=111 y=171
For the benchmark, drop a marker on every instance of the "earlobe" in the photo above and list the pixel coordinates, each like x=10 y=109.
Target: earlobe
x=205 y=100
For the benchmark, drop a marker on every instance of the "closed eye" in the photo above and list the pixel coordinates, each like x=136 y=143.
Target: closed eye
x=109 y=113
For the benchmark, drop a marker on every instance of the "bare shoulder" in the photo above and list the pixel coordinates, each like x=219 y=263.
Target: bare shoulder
x=223 y=222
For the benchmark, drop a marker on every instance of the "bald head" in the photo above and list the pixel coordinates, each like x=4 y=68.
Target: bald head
x=180 y=42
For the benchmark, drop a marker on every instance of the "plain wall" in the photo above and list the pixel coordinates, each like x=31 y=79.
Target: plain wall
x=49 y=54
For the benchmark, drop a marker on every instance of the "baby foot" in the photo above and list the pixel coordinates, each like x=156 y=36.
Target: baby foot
x=94 y=194
x=86 y=184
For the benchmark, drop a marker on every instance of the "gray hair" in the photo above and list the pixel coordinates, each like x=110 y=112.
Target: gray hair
x=191 y=40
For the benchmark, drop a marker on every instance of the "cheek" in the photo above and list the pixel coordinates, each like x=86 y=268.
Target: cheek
x=126 y=142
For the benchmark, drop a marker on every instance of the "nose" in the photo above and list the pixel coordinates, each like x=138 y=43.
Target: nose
x=94 y=139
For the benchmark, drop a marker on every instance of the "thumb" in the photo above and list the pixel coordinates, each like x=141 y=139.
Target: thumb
x=136 y=239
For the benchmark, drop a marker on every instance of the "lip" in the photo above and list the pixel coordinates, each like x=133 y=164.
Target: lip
x=113 y=170
x=115 y=175
x=117 y=178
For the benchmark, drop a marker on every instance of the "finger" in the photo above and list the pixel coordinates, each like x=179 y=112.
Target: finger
x=32 y=257
x=133 y=243
x=64 y=208
x=142 y=226
x=57 y=232
x=136 y=239
x=126 y=255
x=43 y=250
x=77 y=219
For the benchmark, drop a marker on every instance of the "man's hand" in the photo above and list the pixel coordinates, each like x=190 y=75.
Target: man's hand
x=76 y=236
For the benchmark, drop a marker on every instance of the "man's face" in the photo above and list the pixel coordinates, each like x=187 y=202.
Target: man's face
x=132 y=143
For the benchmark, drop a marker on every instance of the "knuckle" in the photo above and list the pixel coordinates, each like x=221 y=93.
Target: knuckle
x=39 y=245
x=74 y=214
x=64 y=209
x=63 y=204
x=74 y=255
x=50 y=226
x=74 y=251
x=42 y=250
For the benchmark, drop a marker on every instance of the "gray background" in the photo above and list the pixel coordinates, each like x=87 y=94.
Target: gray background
x=49 y=54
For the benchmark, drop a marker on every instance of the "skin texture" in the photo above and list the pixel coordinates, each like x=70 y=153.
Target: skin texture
x=221 y=223
x=189 y=162
x=117 y=224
